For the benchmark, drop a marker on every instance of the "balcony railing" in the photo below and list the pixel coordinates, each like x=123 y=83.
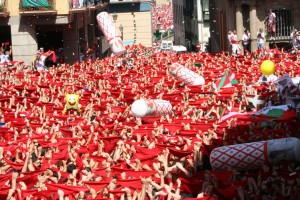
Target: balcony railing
x=45 y=8
x=83 y=5
x=3 y=9
x=279 y=39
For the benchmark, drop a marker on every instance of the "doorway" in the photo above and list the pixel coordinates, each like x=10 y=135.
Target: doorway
x=5 y=34
x=5 y=38
x=50 y=37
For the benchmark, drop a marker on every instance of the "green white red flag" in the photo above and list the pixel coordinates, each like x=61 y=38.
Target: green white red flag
x=282 y=112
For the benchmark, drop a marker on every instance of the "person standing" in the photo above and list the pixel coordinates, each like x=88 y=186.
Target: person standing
x=229 y=34
x=271 y=24
x=235 y=43
x=260 y=39
x=295 y=42
x=2 y=55
x=246 y=41
x=39 y=62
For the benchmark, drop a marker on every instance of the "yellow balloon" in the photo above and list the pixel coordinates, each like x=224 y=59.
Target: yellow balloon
x=267 y=67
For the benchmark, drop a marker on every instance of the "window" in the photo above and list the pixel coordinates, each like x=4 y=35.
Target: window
x=129 y=7
x=205 y=9
x=188 y=5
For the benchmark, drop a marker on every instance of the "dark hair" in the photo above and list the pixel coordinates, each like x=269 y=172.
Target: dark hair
x=264 y=78
x=44 y=150
x=93 y=117
x=70 y=168
x=88 y=169
x=59 y=163
x=237 y=100
x=34 y=157
x=55 y=174
x=249 y=107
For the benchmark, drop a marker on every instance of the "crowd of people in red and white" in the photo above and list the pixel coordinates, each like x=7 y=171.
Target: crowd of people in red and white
x=103 y=152
x=162 y=15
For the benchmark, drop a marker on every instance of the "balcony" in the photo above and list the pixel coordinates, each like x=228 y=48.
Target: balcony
x=3 y=10
x=32 y=8
x=84 y=5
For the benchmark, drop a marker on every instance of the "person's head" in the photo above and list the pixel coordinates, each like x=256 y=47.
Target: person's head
x=38 y=55
x=86 y=170
x=41 y=49
x=270 y=10
x=50 y=172
x=260 y=30
x=70 y=167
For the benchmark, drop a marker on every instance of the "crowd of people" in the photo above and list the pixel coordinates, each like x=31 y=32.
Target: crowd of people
x=101 y=151
x=261 y=37
x=162 y=15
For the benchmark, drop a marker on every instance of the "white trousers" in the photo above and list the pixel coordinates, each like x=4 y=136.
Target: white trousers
x=235 y=49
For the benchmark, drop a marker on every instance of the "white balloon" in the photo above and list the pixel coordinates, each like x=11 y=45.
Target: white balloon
x=253 y=155
x=150 y=107
x=110 y=33
x=186 y=75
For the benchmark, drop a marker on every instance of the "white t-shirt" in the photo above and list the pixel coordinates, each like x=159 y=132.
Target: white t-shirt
x=2 y=58
x=294 y=39
x=246 y=39
x=234 y=39
x=40 y=64
x=262 y=38
x=271 y=18
x=229 y=37
x=7 y=59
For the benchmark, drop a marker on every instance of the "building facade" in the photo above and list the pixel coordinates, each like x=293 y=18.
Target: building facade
x=191 y=23
x=250 y=14
x=132 y=19
x=61 y=24
x=162 y=2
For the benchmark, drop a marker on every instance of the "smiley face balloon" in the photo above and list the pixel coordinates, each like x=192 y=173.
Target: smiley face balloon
x=72 y=102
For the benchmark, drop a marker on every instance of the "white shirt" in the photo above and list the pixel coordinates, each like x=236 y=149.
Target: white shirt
x=7 y=59
x=40 y=64
x=294 y=39
x=234 y=39
x=2 y=58
x=271 y=18
x=229 y=37
x=262 y=38
x=246 y=38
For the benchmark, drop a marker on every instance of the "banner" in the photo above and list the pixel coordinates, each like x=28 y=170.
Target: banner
x=35 y=3
x=282 y=112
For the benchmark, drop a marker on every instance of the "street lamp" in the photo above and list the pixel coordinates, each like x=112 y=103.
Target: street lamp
x=121 y=28
x=115 y=16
